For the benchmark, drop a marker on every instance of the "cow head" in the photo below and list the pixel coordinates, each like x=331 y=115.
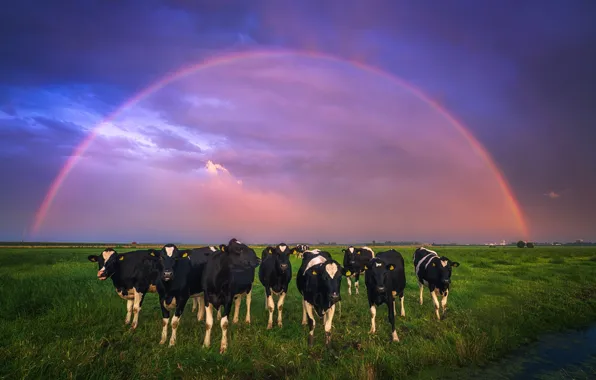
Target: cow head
x=328 y=279
x=377 y=270
x=107 y=263
x=350 y=255
x=442 y=268
x=241 y=253
x=168 y=257
x=266 y=252
x=282 y=257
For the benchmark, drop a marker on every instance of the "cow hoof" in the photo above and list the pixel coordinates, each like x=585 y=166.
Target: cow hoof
x=234 y=321
x=247 y=321
x=171 y=344
x=162 y=341
x=222 y=350
x=372 y=332
x=303 y=323
x=269 y=326
x=279 y=325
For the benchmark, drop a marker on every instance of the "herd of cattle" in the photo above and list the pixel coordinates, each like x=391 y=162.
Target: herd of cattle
x=215 y=277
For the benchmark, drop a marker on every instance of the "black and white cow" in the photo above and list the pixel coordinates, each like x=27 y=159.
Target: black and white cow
x=385 y=279
x=275 y=274
x=228 y=275
x=198 y=259
x=319 y=282
x=433 y=271
x=354 y=261
x=299 y=250
x=133 y=275
x=175 y=286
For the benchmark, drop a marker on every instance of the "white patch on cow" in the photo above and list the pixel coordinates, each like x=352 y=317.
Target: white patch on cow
x=212 y=248
x=373 y=314
x=315 y=261
x=370 y=249
x=238 y=241
x=237 y=302
x=170 y=306
x=270 y=307
x=444 y=263
x=331 y=269
x=378 y=264
x=224 y=335
x=175 y=324
x=303 y=312
x=329 y=322
x=351 y=249
x=248 y=300
x=280 y=307
x=169 y=251
x=136 y=308
x=403 y=311
x=436 y=302
x=349 y=286
x=164 y=330
x=427 y=258
x=394 y=336
x=129 y=304
x=129 y=296
x=208 y=325
x=107 y=254
x=282 y=248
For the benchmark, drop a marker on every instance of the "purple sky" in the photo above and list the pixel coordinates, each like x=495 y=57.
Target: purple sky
x=294 y=147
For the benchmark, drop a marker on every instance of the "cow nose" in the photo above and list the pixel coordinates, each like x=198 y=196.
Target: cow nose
x=167 y=274
x=334 y=295
x=283 y=266
x=446 y=281
x=101 y=275
x=381 y=289
x=352 y=262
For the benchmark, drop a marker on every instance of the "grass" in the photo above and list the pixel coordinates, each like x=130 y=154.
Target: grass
x=58 y=321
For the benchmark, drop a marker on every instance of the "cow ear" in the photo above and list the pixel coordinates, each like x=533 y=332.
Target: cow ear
x=391 y=267
x=222 y=247
x=344 y=250
x=120 y=257
x=348 y=273
x=454 y=264
x=152 y=252
x=92 y=258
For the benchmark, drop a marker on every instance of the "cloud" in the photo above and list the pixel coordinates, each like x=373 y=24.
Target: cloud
x=552 y=195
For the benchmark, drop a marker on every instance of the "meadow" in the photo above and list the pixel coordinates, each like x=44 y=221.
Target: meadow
x=59 y=321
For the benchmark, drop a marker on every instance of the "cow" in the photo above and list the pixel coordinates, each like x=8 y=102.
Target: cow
x=433 y=271
x=275 y=274
x=319 y=281
x=197 y=258
x=228 y=275
x=354 y=261
x=133 y=275
x=385 y=279
x=299 y=250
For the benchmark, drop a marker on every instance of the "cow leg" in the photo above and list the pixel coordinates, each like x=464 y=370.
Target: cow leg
x=280 y=307
x=137 y=308
x=165 y=314
x=270 y=307
x=391 y=309
x=357 y=284
x=180 y=304
x=373 y=314
x=444 y=302
x=219 y=313
x=349 y=285
x=237 y=302
x=224 y=327
x=303 y=312
x=247 y=300
x=311 y=323
x=421 y=286
x=401 y=300
x=201 y=308
x=194 y=304
x=208 y=324
x=129 y=304
x=433 y=294
x=328 y=324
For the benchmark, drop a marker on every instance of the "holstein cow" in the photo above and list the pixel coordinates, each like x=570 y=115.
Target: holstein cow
x=434 y=272
x=319 y=282
x=227 y=275
x=198 y=259
x=275 y=274
x=175 y=286
x=385 y=279
x=354 y=261
x=133 y=274
x=299 y=250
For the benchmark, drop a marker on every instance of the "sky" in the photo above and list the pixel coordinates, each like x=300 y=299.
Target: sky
x=307 y=121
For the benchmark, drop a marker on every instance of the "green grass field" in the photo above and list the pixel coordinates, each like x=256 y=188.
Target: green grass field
x=59 y=321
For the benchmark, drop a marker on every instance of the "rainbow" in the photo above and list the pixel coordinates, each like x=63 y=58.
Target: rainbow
x=233 y=57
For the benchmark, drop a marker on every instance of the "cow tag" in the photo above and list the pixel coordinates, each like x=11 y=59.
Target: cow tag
x=314 y=272
x=348 y=273
x=185 y=254
x=391 y=267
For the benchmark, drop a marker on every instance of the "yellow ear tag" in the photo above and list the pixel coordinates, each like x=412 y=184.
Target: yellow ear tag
x=152 y=254
x=348 y=273
x=366 y=267
x=358 y=252
x=314 y=272
x=184 y=254
x=434 y=265
x=391 y=267
x=121 y=258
